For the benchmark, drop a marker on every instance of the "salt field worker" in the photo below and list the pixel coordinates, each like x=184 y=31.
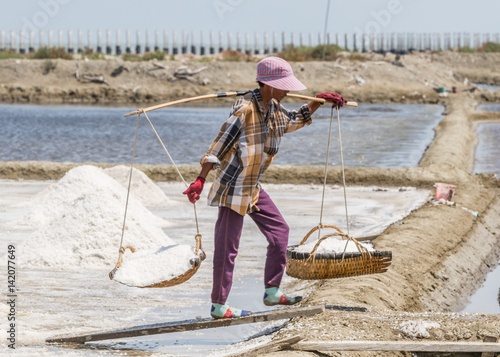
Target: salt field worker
x=245 y=147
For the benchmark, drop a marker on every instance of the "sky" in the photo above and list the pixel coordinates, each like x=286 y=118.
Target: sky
x=251 y=16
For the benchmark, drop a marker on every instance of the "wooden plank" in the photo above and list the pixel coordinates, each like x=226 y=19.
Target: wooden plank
x=489 y=339
x=408 y=346
x=191 y=325
x=272 y=346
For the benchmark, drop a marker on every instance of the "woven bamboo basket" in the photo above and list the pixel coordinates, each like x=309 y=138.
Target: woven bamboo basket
x=195 y=265
x=310 y=266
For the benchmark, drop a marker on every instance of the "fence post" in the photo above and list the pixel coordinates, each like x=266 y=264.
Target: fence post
x=147 y=48
x=61 y=41
x=275 y=42
x=80 y=42
x=2 y=41
x=32 y=42
x=310 y=39
x=354 y=43
x=175 y=49
x=41 y=42
x=238 y=41
x=256 y=47
x=51 y=38
x=109 y=50
x=128 y=45
x=283 y=41
x=193 y=43
x=266 y=43
x=184 y=43
x=22 y=49
x=118 y=45
x=13 y=45
x=165 y=42
x=157 y=40
x=247 y=44
x=221 y=45
x=301 y=39
x=99 y=41
x=138 y=42
x=202 y=45
x=346 y=42
x=212 y=45
x=89 y=41
x=229 y=41
x=70 y=41
x=467 y=39
x=292 y=41
x=363 y=42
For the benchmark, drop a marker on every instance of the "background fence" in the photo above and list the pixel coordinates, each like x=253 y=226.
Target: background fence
x=203 y=43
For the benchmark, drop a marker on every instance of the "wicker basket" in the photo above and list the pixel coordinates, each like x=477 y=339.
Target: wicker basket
x=195 y=265
x=310 y=266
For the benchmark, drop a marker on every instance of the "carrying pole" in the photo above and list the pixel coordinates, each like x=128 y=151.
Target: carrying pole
x=223 y=95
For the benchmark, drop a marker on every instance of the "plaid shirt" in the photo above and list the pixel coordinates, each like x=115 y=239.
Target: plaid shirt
x=245 y=147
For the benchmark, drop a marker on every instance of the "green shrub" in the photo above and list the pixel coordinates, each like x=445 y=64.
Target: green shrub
x=157 y=55
x=292 y=53
x=331 y=52
x=466 y=49
x=91 y=55
x=491 y=47
x=51 y=53
x=10 y=54
x=304 y=53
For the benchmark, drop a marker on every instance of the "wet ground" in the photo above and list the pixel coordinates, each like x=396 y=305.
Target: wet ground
x=75 y=301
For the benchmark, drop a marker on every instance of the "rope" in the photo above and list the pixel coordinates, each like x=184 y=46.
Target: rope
x=343 y=180
x=325 y=176
x=122 y=250
x=175 y=166
x=343 y=173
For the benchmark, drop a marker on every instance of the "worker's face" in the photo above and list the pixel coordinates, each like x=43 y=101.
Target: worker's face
x=279 y=94
x=276 y=93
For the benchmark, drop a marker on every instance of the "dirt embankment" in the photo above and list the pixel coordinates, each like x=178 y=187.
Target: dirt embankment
x=370 y=78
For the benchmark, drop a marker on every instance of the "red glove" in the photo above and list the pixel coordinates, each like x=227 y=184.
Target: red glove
x=194 y=190
x=336 y=99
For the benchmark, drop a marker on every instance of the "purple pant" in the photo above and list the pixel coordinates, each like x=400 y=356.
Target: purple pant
x=227 y=238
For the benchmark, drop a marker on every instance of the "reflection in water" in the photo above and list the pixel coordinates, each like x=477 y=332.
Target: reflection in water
x=372 y=135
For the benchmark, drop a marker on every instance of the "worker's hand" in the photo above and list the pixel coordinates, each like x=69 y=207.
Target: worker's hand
x=336 y=99
x=194 y=190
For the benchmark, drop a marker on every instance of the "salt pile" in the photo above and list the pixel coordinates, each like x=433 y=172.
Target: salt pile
x=333 y=245
x=154 y=266
x=417 y=328
x=142 y=186
x=80 y=222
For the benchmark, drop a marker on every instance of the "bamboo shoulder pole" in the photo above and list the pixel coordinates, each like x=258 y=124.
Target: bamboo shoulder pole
x=319 y=100
x=187 y=100
x=222 y=95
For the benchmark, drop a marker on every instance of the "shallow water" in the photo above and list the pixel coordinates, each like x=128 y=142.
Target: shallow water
x=489 y=87
x=487 y=160
x=373 y=135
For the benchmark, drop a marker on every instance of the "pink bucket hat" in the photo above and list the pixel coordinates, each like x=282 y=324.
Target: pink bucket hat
x=277 y=73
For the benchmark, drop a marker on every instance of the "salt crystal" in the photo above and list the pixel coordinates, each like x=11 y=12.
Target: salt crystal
x=417 y=328
x=154 y=266
x=333 y=245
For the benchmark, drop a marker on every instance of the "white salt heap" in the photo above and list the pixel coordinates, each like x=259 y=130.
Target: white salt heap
x=142 y=186
x=333 y=245
x=418 y=328
x=80 y=221
x=154 y=266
